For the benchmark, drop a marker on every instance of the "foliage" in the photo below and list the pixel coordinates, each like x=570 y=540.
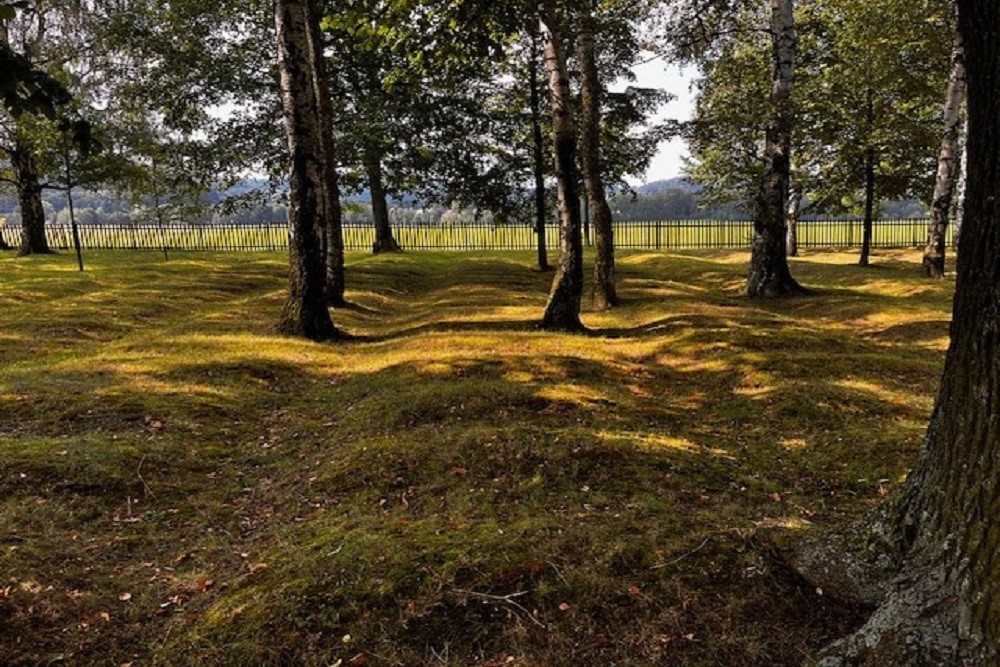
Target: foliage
x=870 y=76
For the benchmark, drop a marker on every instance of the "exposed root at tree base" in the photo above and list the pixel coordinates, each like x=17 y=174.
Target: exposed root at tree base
x=923 y=622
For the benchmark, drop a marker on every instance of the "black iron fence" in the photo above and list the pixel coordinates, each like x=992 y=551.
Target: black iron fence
x=632 y=234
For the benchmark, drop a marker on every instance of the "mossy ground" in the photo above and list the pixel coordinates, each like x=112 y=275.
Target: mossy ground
x=181 y=486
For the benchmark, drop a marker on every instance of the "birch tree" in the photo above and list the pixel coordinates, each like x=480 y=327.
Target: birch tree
x=769 y=275
x=305 y=312
x=604 y=293
x=562 y=312
x=948 y=166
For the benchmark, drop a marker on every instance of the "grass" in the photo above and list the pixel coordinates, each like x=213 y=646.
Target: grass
x=181 y=486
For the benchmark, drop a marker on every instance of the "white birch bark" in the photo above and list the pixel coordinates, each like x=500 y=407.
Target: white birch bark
x=948 y=166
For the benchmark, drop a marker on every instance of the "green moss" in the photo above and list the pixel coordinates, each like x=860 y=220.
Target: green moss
x=182 y=486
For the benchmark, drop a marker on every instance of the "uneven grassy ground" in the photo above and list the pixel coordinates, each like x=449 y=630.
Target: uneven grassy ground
x=180 y=486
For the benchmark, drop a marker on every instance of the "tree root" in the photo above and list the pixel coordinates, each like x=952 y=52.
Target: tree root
x=923 y=621
x=855 y=564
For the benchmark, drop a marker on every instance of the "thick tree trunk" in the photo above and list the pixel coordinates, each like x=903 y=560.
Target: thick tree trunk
x=563 y=309
x=948 y=164
x=941 y=535
x=29 y=195
x=384 y=240
x=792 y=223
x=769 y=275
x=604 y=295
x=305 y=312
x=330 y=193
x=868 y=225
x=538 y=155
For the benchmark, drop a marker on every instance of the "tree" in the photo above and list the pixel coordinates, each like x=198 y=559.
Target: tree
x=562 y=312
x=330 y=191
x=26 y=30
x=948 y=166
x=305 y=312
x=604 y=294
x=868 y=78
x=769 y=274
x=927 y=557
x=870 y=114
x=537 y=145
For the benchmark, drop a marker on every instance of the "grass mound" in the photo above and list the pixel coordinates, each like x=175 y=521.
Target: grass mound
x=181 y=486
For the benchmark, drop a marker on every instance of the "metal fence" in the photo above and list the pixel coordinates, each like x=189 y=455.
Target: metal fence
x=631 y=234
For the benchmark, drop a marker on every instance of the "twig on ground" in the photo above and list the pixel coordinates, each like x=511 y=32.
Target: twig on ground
x=682 y=556
x=138 y=472
x=503 y=599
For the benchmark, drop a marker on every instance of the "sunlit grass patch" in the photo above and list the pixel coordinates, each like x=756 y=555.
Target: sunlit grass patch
x=180 y=485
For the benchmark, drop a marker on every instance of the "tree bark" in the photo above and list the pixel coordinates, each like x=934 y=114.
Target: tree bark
x=868 y=225
x=941 y=535
x=538 y=155
x=604 y=294
x=305 y=312
x=948 y=165
x=960 y=188
x=384 y=240
x=769 y=275
x=563 y=309
x=792 y=223
x=330 y=192
x=29 y=195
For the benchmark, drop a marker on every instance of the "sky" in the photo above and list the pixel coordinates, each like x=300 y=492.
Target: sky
x=677 y=81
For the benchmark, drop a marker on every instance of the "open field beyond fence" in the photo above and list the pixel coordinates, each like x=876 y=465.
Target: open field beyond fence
x=633 y=234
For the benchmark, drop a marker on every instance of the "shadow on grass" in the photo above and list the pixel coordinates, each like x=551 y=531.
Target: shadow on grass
x=630 y=494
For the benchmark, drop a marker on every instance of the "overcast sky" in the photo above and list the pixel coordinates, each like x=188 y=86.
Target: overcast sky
x=657 y=74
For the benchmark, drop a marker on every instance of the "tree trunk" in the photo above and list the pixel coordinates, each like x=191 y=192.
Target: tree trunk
x=29 y=195
x=604 y=295
x=384 y=241
x=942 y=533
x=869 y=221
x=944 y=186
x=330 y=192
x=792 y=223
x=963 y=170
x=769 y=275
x=563 y=309
x=305 y=312
x=538 y=154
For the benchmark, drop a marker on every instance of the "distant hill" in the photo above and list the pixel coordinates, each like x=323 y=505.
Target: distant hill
x=658 y=187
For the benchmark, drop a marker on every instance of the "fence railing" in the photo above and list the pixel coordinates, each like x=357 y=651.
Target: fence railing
x=632 y=234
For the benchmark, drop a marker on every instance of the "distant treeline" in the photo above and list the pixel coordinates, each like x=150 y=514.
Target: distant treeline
x=663 y=200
